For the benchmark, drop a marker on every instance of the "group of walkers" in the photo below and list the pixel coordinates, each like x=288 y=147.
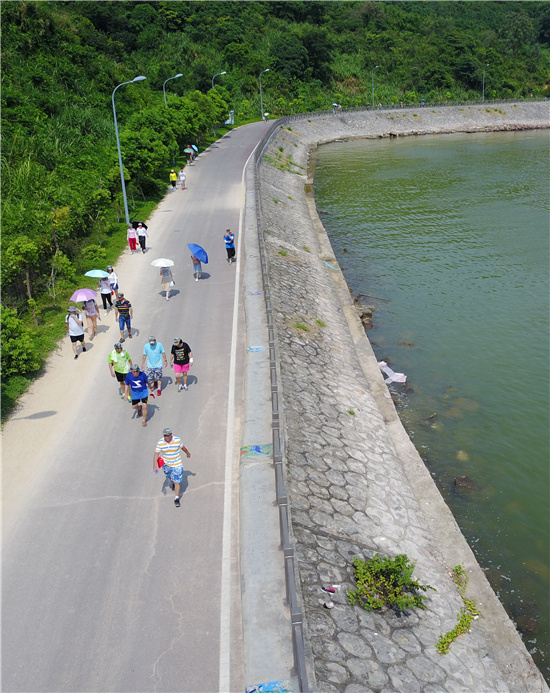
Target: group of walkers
x=137 y=234
x=137 y=382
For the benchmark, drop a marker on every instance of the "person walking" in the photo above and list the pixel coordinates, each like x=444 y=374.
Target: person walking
x=132 y=237
x=197 y=267
x=166 y=280
x=124 y=313
x=180 y=359
x=181 y=178
x=105 y=290
x=173 y=179
x=91 y=310
x=142 y=235
x=170 y=447
x=113 y=280
x=136 y=384
x=74 y=326
x=229 y=239
x=154 y=357
x=120 y=363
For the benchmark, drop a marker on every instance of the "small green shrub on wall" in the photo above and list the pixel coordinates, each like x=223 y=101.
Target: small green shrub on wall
x=386 y=582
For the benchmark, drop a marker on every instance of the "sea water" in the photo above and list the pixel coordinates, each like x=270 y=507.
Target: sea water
x=447 y=237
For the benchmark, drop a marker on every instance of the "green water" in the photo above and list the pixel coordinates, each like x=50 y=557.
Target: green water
x=453 y=232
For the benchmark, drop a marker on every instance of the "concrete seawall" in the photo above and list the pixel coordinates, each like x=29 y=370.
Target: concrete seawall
x=356 y=484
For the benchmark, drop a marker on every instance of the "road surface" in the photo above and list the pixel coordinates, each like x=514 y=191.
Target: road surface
x=106 y=585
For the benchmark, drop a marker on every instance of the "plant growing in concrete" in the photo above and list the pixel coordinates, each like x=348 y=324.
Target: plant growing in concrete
x=283 y=252
x=301 y=326
x=320 y=322
x=465 y=616
x=386 y=582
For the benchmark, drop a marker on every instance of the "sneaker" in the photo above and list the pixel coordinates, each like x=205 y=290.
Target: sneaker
x=180 y=388
x=159 y=393
x=121 y=340
x=151 y=394
x=122 y=396
x=185 y=387
x=196 y=279
x=76 y=356
x=129 y=336
x=83 y=348
x=129 y=398
x=177 y=502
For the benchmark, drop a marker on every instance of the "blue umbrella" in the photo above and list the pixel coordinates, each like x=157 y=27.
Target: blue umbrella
x=195 y=148
x=199 y=252
x=96 y=273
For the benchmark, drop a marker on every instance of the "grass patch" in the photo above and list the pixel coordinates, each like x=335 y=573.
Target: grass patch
x=351 y=412
x=465 y=616
x=308 y=250
x=283 y=252
x=301 y=326
x=320 y=323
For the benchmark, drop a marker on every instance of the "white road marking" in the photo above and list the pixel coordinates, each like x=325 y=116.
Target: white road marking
x=225 y=601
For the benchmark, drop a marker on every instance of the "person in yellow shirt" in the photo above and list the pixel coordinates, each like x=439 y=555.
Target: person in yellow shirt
x=173 y=178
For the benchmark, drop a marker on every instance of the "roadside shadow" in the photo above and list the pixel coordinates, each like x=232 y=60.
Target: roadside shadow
x=173 y=292
x=192 y=379
x=204 y=275
x=151 y=410
x=166 y=380
x=38 y=415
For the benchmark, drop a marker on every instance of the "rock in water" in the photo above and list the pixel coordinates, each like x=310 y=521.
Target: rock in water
x=463 y=484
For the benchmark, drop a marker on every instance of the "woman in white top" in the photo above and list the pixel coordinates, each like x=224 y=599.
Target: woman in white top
x=113 y=280
x=105 y=288
x=142 y=235
x=181 y=178
x=92 y=314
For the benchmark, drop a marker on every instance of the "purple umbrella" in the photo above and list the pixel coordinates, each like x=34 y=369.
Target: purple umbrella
x=83 y=295
x=199 y=252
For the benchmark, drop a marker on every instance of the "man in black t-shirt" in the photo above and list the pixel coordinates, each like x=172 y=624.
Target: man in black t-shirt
x=181 y=358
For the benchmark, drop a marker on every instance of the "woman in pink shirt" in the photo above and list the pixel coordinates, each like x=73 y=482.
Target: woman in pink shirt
x=132 y=238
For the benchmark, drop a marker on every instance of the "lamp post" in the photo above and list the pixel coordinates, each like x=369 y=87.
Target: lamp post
x=136 y=79
x=216 y=75
x=164 y=85
x=483 y=96
x=373 y=86
x=261 y=98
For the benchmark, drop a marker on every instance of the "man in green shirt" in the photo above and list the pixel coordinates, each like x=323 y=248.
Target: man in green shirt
x=119 y=364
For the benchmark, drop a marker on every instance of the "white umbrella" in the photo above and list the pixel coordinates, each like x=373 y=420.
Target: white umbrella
x=162 y=262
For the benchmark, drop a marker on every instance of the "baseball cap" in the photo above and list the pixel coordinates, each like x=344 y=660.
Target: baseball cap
x=152 y=339
x=120 y=293
x=135 y=367
x=72 y=309
x=177 y=340
x=167 y=432
x=118 y=345
x=109 y=267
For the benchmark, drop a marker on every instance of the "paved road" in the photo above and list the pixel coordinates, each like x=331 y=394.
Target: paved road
x=106 y=585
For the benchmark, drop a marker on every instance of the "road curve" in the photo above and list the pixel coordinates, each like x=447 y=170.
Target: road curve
x=106 y=585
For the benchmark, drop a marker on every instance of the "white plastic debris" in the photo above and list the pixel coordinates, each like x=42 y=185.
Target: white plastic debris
x=392 y=376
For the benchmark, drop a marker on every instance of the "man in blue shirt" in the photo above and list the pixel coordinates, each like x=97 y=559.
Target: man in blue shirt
x=136 y=382
x=229 y=239
x=155 y=358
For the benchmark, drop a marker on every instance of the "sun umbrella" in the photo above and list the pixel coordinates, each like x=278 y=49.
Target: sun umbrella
x=83 y=295
x=97 y=273
x=195 y=148
x=187 y=151
x=198 y=252
x=162 y=262
x=136 y=223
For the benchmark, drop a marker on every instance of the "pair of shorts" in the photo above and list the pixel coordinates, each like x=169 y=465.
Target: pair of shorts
x=181 y=368
x=124 y=322
x=175 y=474
x=143 y=400
x=114 y=287
x=154 y=374
x=121 y=377
x=77 y=338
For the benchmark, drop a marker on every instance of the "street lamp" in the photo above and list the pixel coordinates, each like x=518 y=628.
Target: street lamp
x=261 y=98
x=164 y=85
x=136 y=79
x=216 y=75
x=483 y=97
x=376 y=68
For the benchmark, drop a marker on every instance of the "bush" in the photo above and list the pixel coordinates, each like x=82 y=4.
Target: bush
x=386 y=582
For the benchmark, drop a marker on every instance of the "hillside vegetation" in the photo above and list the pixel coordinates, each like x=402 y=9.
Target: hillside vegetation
x=62 y=200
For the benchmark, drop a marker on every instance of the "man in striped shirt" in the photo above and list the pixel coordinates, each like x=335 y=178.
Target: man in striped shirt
x=169 y=448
